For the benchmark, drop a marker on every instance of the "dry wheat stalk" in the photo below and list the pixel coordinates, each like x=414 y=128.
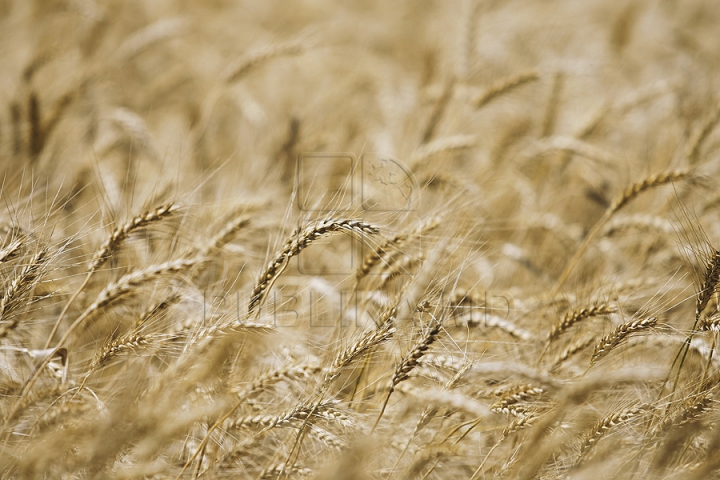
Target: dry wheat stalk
x=243 y=64
x=702 y=134
x=710 y=279
x=369 y=340
x=396 y=242
x=20 y=285
x=620 y=334
x=410 y=361
x=574 y=316
x=298 y=241
x=551 y=113
x=502 y=86
x=122 y=232
x=127 y=343
x=606 y=424
x=571 y=350
x=645 y=184
x=225 y=235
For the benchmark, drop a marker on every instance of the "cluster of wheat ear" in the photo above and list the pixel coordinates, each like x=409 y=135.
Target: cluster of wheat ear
x=360 y=239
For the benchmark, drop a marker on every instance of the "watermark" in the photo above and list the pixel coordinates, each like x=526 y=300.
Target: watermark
x=316 y=304
x=342 y=182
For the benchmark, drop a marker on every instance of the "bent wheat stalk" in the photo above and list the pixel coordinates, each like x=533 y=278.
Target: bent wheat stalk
x=298 y=241
x=106 y=250
x=402 y=371
x=619 y=335
x=626 y=197
x=20 y=285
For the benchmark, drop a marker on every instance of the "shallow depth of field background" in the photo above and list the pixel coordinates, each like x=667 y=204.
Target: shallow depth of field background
x=359 y=239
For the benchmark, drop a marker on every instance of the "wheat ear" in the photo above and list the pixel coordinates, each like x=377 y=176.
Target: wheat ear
x=369 y=340
x=11 y=250
x=20 y=285
x=691 y=410
x=441 y=145
x=298 y=241
x=257 y=385
x=607 y=424
x=574 y=316
x=510 y=399
x=570 y=351
x=225 y=235
x=710 y=280
x=626 y=197
x=504 y=85
x=118 y=236
x=438 y=110
x=410 y=361
x=703 y=133
x=243 y=64
x=120 y=346
x=395 y=243
x=619 y=335
x=107 y=249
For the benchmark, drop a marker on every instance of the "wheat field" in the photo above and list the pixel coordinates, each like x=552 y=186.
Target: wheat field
x=359 y=239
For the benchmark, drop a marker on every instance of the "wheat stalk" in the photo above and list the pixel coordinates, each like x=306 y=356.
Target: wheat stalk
x=619 y=335
x=620 y=201
x=574 y=316
x=504 y=85
x=243 y=64
x=410 y=361
x=121 y=233
x=298 y=241
x=608 y=423
x=20 y=286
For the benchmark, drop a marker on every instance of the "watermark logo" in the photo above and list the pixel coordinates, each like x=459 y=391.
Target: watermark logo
x=341 y=182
